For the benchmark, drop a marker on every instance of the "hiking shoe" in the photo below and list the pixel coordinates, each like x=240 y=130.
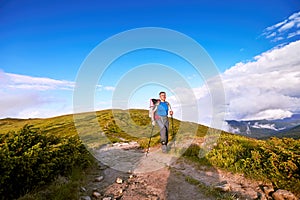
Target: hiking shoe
x=164 y=148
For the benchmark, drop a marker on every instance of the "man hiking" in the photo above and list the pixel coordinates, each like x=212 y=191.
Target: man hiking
x=160 y=116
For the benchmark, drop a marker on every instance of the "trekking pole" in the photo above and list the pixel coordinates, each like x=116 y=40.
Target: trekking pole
x=173 y=133
x=149 y=141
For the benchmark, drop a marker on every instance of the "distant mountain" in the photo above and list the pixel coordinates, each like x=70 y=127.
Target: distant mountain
x=263 y=129
x=292 y=133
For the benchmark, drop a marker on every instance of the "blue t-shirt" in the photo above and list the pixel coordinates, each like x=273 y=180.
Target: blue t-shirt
x=162 y=109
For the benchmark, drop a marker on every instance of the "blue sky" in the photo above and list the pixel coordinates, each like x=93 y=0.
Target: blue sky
x=33 y=33
x=45 y=42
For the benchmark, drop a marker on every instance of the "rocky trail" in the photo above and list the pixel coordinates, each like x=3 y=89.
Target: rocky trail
x=125 y=172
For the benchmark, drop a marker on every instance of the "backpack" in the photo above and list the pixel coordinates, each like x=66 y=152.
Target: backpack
x=152 y=107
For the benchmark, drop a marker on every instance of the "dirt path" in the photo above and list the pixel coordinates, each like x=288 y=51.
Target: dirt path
x=126 y=173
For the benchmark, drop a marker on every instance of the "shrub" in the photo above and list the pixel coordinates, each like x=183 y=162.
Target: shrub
x=30 y=158
x=276 y=160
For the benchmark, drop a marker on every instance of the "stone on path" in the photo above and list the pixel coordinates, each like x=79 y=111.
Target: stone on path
x=85 y=198
x=96 y=194
x=224 y=186
x=283 y=195
x=119 y=180
x=99 y=178
x=268 y=190
x=82 y=189
x=131 y=176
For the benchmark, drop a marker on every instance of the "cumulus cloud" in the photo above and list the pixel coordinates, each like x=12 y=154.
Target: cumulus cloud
x=266 y=126
x=11 y=103
x=286 y=29
x=25 y=96
x=265 y=88
x=24 y=82
x=231 y=129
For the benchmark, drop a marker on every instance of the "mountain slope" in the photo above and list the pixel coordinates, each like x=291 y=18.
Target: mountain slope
x=263 y=129
x=275 y=160
x=291 y=133
x=105 y=126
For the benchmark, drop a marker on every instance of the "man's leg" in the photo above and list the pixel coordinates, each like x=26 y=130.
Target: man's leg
x=163 y=133
x=167 y=129
x=166 y=123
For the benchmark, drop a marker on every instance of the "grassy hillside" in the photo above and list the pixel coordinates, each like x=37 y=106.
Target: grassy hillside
x=275 y=160
x=95 y=128
x=292 y=133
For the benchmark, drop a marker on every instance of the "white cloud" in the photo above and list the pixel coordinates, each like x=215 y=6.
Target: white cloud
x=106 y=88
x=294 y=16
x=283 y=30
x=193 y=76
x=231 y=129
x=109 y=88
x=276 y=25
x=17 y=81
x=272 y=114
x=11 y=103
x=286 y=26
x=266 y=88
x=43 y=111
x=25 y=96
x=294 y=33
x=277 y=39
x=266 y=126
x=271 y=35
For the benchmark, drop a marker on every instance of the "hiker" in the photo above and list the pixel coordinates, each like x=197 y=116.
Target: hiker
x=160 y=116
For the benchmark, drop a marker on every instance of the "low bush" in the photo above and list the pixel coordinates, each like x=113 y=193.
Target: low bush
x=275 y=160
x=31 y=158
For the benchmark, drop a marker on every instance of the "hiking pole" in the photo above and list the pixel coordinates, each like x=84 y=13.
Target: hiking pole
x=173 y=133
x=149 y=141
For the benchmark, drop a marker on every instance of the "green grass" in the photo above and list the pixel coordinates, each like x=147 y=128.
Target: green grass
x=32 y=158
x=274 y=160
x=116 y=125
x=60 y=189
x=210 y=191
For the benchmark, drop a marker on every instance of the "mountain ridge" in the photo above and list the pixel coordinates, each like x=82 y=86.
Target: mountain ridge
x=264 y=129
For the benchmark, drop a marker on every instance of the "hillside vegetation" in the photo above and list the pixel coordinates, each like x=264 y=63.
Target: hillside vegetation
x=292 y=133
x=38 y=150
x=30 y=158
